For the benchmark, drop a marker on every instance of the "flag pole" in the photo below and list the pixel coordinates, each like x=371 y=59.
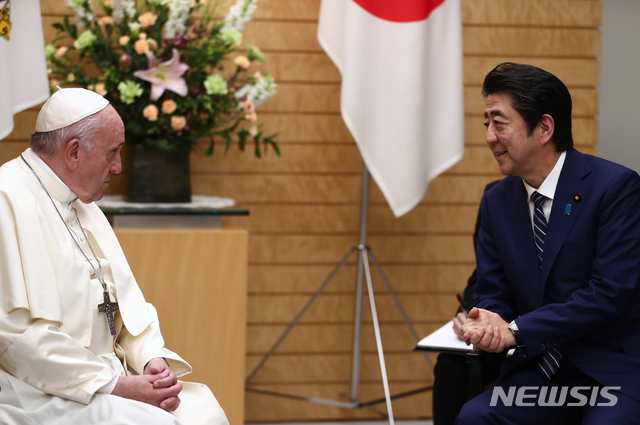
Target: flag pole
x=363 y=274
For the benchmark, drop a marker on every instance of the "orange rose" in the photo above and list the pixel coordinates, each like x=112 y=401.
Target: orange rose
x=141 y=46
x=105 y=20
x=147 y=19
x=169 y=106
x=150 y=112
x=100 y=89
x=242 y=62
x=178 y=122
x=247 y=106
x=60 y=52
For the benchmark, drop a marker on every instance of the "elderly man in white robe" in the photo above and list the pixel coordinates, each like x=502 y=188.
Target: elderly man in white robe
x=78 y=342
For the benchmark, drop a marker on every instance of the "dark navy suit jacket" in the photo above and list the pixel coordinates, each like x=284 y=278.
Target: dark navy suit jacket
x=585 y=299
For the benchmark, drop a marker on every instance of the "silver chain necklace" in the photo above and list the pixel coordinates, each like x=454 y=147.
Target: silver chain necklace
x=107 y=307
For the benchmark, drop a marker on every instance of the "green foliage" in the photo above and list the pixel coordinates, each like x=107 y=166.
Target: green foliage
x=127 y=55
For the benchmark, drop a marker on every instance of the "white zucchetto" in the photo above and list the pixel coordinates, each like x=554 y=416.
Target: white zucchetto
x=68 y=106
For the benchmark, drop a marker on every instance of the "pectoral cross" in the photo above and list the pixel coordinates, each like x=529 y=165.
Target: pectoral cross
x=108 y=308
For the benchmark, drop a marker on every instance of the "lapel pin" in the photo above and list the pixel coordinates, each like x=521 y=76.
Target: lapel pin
x=567 y=209
x=577 y=197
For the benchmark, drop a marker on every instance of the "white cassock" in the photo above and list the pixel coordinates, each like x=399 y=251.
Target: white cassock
x=58 y=361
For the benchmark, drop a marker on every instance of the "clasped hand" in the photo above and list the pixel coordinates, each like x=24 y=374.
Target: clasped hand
x=487 y=331
x=158 y=386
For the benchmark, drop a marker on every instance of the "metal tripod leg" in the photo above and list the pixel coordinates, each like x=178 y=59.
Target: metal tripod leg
x=299 y=316
x=363 y=274
x=405 y=316
x=376 y=328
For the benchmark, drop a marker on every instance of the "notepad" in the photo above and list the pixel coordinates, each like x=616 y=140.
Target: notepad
x=444 y=340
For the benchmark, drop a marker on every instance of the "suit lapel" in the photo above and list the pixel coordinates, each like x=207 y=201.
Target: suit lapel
x=522 y=234
x=561 y=221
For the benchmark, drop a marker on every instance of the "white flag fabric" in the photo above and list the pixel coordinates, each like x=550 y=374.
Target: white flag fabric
x=23 y=67
x=402 y=88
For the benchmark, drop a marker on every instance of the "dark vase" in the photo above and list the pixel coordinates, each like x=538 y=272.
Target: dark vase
x=158 y=176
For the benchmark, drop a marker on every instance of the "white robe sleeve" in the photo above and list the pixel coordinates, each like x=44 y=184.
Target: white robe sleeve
x=36 y=352
x=149 y=345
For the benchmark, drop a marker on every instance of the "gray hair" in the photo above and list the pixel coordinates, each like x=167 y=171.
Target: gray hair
x=48 y=144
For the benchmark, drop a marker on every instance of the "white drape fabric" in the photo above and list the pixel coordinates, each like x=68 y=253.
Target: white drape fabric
x=23 y=67
x=402 y=90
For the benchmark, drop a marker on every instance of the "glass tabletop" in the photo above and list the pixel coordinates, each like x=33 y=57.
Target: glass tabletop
x=174 y=211
x=199 y=205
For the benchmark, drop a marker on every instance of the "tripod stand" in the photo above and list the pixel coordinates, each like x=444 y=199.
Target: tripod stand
x=364 y=253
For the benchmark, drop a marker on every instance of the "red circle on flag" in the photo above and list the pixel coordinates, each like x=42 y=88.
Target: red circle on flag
x=400 y=10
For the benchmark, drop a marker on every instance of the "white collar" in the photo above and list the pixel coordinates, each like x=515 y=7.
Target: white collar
x=50 y=180
x=548 y=186
x=46 y=167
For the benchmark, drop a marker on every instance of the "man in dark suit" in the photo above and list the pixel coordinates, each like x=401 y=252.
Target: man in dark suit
x=558 y=266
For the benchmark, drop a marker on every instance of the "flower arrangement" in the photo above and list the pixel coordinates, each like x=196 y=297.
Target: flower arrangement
x=172 y=69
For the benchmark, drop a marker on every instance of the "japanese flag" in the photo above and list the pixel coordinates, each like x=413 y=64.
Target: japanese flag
x=23 y=67
x=402 y=88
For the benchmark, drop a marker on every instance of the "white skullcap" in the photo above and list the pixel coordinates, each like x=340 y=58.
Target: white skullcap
x=68 y=106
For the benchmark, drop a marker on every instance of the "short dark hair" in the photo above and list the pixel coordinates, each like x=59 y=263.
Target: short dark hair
x=534 y=92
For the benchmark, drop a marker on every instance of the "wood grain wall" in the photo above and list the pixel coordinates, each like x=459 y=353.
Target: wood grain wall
x=305 y=205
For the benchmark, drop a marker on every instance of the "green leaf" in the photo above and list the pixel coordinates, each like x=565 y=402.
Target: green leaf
x=256 y=140
x=242 y=136
x=229 y=141
x=209 y=150
x=275 y=146
x=270 y=138
x=60 y=37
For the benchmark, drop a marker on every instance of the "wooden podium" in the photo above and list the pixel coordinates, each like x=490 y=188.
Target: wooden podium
x=196 y=277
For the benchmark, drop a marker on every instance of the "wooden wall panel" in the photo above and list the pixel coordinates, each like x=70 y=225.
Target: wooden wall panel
x=401 y=248
x=318 y=219
x=543 y=13
x=574 y=72
x=272 y=409
x=305 y=205
x=338 y=308
x=328 y=188
x=333 y=368
x=316 y=158
x=319 y=338
x=317 y=67
x=406 y=278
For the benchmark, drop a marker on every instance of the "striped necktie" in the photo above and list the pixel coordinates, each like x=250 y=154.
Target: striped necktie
x=550 y=361
x=539 y=224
